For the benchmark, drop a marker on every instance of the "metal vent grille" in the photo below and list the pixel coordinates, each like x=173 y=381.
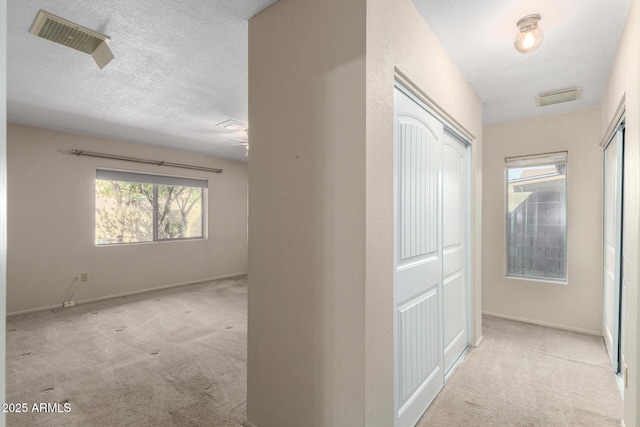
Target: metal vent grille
x=558 y=97
x=67 y=33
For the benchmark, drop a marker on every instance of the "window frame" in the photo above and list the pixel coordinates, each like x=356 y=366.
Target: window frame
x=155 y=180
x=553 y=158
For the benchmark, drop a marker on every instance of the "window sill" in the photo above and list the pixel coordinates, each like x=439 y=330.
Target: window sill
x=186 y=239
x=537 y=279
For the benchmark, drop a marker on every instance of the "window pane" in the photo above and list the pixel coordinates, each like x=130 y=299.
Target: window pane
x=536 y=221
x=179 y=212
x=124 y=212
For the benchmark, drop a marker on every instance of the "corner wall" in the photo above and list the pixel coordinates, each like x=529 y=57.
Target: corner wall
x=624 y=85
x=51 y=201
x=306 y=359
x=534 y=301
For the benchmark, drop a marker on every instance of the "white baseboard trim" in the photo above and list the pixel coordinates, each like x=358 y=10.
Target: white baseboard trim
x=622 y=423
x=248 y=423
x=479 y=342
x=536 y=322
x=126 y=294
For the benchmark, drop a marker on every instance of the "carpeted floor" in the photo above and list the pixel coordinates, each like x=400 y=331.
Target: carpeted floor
x=167 y=358
x=178 y=358
x=528 y=375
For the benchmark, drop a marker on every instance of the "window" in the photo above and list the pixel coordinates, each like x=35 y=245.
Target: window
x=135 y=207
x=537 y=216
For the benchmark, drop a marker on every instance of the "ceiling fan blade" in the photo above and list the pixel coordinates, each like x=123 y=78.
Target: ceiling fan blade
x=246 y=145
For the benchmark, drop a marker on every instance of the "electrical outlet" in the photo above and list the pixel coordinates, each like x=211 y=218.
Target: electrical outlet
x=84 y=277
x=68 y=303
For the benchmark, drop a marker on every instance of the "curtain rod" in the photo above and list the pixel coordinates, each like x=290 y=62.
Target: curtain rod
x=138 y=160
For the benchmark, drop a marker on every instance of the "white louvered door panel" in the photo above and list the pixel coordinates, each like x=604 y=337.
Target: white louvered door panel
x=454 y=220
x=418 y=260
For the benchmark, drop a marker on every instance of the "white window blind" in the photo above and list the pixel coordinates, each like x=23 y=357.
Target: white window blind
x=125 y=176
x=537 y=160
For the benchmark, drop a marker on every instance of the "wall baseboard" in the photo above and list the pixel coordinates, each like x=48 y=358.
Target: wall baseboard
x=479 y=342
x=622 y=423
x=126 y=294
x=548 y=325
x=248 y=423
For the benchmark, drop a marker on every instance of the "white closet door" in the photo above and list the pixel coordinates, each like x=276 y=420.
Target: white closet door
x=613 y=244
x=419 y=367
x=454 y=219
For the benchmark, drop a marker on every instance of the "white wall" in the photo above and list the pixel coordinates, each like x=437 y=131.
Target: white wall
x=624 y=84
x=51 y=201
x=578 y=304
x=321 y=80
x=3 y=199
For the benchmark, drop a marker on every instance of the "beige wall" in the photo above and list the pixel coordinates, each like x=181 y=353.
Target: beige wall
x=624 y=85
x=578 y=304
x=321 y=203
x=3 y=197
x=306 y=359
x=51 y=222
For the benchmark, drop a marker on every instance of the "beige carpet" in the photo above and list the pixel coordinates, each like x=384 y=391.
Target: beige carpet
x=178 y=358
x=167 y=358
x=527 y=375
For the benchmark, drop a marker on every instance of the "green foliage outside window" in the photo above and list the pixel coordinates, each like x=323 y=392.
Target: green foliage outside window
x=129 y=212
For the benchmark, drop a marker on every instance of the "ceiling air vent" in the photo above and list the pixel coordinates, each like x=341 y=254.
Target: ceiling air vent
x=558 y=97
x=72 y=35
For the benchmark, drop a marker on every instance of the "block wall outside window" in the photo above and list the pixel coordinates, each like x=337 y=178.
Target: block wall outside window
x=537 y=217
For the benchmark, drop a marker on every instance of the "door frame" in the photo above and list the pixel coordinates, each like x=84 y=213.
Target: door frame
x=468 y=180
x=408 y=413
x=617 y=361
x=464 y=137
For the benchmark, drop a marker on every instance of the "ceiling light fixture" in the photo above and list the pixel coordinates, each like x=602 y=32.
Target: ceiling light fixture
x=529 y=36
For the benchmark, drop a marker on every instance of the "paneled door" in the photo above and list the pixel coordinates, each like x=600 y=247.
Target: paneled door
x=430 y=255
x=455 y=222
x=613 y=173
x=418 y=337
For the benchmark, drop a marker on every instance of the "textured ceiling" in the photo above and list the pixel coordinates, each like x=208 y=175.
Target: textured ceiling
x=181 y=67
x=580 y=40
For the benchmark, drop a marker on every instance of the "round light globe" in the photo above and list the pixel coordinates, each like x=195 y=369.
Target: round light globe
x=529 y=36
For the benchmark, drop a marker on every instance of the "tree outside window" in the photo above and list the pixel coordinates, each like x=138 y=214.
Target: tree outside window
x=130 y=212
